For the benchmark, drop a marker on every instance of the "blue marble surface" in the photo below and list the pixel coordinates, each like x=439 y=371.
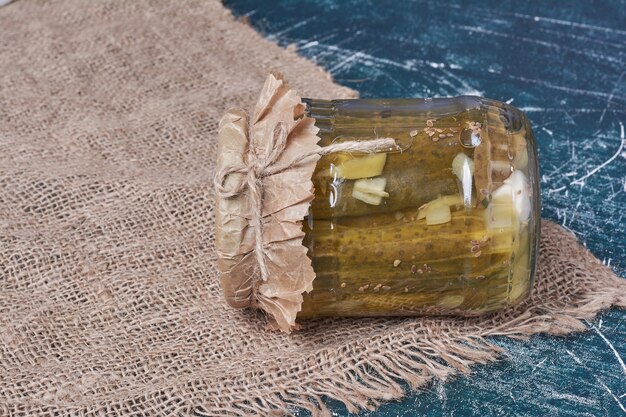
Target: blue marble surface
x=564 y=64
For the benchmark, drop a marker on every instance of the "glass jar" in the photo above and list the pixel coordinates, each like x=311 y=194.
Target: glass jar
x=446 y=224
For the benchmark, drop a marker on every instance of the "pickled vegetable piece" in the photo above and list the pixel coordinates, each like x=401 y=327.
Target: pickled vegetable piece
x=370 y=190
x=434 y=206
x=361 y=167
x=462 y=164
x=438 y=213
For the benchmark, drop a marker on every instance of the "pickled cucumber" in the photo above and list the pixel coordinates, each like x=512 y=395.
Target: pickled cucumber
x=443 y=226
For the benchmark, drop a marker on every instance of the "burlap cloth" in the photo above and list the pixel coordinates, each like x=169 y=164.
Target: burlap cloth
x=109 y=297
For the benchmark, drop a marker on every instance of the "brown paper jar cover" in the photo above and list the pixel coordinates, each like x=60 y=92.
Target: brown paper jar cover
x=445 y=222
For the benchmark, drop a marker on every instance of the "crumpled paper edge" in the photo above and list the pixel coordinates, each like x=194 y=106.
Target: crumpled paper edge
x=286 y=199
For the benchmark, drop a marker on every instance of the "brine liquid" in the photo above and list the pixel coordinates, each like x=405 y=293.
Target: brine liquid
x=447 y=224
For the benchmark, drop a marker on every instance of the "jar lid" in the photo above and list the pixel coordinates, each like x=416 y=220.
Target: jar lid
x=263 y=192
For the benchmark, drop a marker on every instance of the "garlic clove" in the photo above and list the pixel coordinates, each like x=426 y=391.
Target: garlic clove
x=438 y=213
x=447 y=200
x=520 y=192
x=370 y=190
x=361 y=167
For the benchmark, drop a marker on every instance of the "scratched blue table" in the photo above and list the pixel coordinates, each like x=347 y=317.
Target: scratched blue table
x=563 y=63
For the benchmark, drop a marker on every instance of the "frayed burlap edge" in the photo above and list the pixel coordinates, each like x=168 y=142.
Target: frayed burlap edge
x=418 y=350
